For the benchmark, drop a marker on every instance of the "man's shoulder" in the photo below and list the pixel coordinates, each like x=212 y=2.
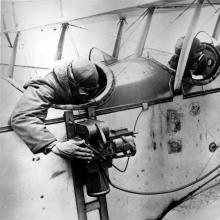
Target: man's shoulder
x=39 y=83
x=173 y=61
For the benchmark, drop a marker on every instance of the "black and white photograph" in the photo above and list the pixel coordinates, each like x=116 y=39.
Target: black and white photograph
x=109 y=110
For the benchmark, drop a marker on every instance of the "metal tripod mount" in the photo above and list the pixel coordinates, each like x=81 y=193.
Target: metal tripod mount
x=79 y=173
x=106 y=144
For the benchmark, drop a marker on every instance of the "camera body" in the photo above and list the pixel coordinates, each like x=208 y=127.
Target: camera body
x=107 y=144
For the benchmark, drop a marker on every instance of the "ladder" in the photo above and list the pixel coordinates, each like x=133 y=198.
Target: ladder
x=78 y=173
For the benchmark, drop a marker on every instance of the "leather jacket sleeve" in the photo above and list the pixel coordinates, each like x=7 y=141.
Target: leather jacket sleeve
x=28 y=117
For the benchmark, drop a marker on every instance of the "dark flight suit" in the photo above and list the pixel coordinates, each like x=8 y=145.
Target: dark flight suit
x=196 y=62
x=60 y=86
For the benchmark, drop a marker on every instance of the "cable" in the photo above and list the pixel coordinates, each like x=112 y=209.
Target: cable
x=125 y=168
x=109 y=161
x=190 y=194
x=136 y=121
x=161 y=191
x=204 y=190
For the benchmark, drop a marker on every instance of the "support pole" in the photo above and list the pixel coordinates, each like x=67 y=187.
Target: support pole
x=187 y=46
x=118 y=39
x=13 y=56
x=144 y=34
x=60 y=45
x=79 y=174
x=6 y=34
x=216 y=31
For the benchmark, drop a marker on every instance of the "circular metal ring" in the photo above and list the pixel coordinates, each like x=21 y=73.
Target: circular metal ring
x=212 y=70
x=101 y=98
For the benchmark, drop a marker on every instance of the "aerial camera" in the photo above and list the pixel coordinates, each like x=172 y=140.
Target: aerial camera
x=107 y=144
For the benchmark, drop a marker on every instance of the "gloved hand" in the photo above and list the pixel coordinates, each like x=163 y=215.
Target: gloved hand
x=69 y=149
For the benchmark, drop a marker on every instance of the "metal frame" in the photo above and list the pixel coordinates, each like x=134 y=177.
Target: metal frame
x=6 y=34
x=143 y=37
x=13 y=56
x=104 y=111
x=118 y=39
x=60 y=45
x=79 y=177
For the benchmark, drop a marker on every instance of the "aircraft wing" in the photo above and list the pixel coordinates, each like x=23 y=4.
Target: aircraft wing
x=161 y=6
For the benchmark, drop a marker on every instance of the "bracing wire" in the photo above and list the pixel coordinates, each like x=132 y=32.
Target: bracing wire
x=92 y=31
x=185 y=9
x=158 y=35
x=140 y=18
x=144 y=14
x=130 y=35
x=210 y=17
x=99 y=33
x=76 y=26
x=134 y=22
x=210 y=2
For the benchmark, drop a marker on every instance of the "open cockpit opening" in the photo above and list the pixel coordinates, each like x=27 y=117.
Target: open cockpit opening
x=106 y=87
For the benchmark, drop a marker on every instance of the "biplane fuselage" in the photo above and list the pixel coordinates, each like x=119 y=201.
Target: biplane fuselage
x=175 y=123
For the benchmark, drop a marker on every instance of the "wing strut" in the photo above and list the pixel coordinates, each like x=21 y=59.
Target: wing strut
x=118 y=39
x=216 y=31
x=13 y=57
x=187 y=46
x=143 y=36
x=6 y=34
x=60 y=45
